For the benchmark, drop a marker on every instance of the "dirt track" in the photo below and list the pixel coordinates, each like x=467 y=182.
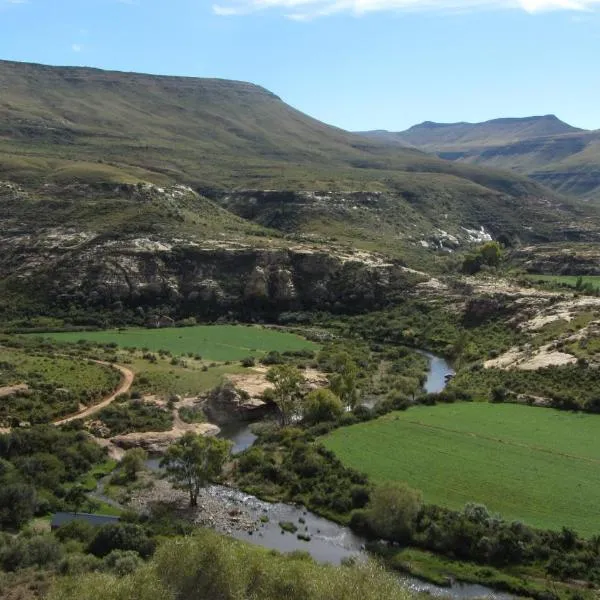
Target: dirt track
x=127 y=377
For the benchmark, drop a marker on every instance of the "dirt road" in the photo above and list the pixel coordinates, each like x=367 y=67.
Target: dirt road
x=127 y=377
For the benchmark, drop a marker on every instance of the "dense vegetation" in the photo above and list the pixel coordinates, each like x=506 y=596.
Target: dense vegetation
x=207 y=566
x=569 y=387
x=38 y=468
x=135 y=415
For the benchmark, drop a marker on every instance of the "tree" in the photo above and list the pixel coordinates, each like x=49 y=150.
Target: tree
x=392 y=511
x=343 y=380
x=489 y=254
x=287 y=383
x=193 y=461
x=76 y=496
x=17 y=504
x=322 y=405
x=132 y=462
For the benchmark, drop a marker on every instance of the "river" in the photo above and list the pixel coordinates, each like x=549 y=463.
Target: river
x=325 y=540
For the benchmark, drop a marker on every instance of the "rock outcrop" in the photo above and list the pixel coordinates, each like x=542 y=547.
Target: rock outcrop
x=156 y=442
x=228 y=404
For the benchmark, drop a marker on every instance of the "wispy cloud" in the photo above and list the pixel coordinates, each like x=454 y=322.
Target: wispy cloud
x=77 y=47
x=307 y=9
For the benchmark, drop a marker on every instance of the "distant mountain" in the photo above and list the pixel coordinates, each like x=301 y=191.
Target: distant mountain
x=544 y=148
x=447 y=136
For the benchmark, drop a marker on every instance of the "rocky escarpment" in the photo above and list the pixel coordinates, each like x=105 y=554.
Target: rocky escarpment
x=211 y=279
x=170 y=251
x=555 y=259
x=443 y=219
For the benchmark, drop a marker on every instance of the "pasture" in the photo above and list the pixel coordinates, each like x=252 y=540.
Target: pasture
x=57 y=385
x=567 y=280
x=212 y=342
x=535 y=465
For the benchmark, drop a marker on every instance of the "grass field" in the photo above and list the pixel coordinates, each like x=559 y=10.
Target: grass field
x=212 y=342
x=568 y=280
x=77 y=375
x=162 y=378
x=538 y=466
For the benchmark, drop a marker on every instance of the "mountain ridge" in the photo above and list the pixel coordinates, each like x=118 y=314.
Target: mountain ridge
x=543 y=148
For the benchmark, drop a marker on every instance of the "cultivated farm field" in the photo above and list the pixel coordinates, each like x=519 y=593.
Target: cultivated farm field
x=212 y=342
x=538 y=466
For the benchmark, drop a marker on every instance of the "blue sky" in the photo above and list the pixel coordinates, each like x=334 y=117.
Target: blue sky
x=357 y=64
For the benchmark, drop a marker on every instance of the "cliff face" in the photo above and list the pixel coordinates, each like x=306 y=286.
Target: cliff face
x=200 y=280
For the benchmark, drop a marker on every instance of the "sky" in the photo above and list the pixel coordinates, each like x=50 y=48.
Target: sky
x=356 y=64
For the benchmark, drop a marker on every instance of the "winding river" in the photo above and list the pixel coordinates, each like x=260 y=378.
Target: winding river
x=325 y=540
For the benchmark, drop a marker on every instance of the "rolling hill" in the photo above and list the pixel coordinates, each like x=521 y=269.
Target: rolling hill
x=124 y=191
x=544 y=148
x=71 y=125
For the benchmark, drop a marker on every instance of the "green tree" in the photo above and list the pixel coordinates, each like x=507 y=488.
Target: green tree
x=392 y=511
x=193 y=461
x=322 y=405
x=489 y=254
x=76 y=497
x=133 y=462
x=343 y=380
x=17 y=504
x=287 y=383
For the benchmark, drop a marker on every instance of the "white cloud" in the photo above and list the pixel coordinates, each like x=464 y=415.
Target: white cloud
x=307 y=9
x=77 y=47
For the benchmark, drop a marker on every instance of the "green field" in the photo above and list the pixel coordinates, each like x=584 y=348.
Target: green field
x=535 y=465
x=212 y=342
x=568 y=280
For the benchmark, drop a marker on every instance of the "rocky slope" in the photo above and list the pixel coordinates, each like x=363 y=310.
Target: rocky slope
x=145 y=250
x=176 y=265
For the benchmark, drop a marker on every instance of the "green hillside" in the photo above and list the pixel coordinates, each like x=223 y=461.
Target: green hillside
x=78 y=124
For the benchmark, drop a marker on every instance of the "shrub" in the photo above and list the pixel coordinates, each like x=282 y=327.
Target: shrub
x=392 y=511
x=322 y=405
x=122 y=536
x=17 y=504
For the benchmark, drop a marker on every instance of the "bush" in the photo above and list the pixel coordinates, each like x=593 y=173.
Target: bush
x=122 y=562
x=122 y=536
x=20 y=552
x=392 y=511
x=322 y=405
x=76 y=530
